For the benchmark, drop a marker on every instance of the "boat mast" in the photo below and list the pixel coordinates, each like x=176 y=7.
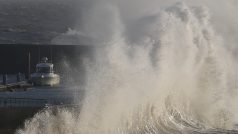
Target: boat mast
x=51 y=57
x=29 y=65
x=39 y=59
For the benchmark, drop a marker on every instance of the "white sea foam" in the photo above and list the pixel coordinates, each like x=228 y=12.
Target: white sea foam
x=165 y=72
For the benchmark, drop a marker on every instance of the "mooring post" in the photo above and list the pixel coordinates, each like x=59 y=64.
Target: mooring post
x=4 y=80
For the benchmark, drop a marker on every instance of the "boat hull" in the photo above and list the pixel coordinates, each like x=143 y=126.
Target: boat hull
x=45 y=80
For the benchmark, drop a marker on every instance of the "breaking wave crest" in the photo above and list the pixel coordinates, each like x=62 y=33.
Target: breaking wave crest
x=169 y=72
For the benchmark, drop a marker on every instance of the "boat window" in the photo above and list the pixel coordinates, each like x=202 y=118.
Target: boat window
x=44 y=70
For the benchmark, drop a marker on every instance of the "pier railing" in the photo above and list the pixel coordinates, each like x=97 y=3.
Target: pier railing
x=22 y=102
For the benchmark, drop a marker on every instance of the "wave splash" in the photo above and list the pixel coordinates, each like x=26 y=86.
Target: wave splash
x=167 y=73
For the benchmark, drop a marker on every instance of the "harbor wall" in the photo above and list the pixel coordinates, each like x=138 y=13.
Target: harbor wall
x=14 y=117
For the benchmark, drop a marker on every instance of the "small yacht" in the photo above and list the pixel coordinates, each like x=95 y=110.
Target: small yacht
x=44 y=75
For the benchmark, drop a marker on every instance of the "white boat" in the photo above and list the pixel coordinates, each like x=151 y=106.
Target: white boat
x=44 y=75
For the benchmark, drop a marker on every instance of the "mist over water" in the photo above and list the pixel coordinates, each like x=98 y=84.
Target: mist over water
x=159 y=71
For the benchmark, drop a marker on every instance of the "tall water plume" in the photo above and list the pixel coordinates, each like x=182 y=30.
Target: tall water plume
x=165 y=72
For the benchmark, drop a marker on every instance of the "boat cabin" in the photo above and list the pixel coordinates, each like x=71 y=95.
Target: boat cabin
x=44 y=66
x=44 y=74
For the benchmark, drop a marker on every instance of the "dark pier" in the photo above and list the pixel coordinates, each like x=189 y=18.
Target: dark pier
x=12 y=85
x=23 y=85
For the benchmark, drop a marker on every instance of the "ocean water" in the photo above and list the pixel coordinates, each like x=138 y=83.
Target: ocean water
x=163 y=71
x=34 y=22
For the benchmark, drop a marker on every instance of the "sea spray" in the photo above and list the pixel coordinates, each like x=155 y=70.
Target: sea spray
x=172 y=77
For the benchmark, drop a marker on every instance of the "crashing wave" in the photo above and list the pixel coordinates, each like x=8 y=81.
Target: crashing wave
x=172 y=75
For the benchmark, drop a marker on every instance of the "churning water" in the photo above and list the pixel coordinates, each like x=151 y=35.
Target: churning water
x=166 y=73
